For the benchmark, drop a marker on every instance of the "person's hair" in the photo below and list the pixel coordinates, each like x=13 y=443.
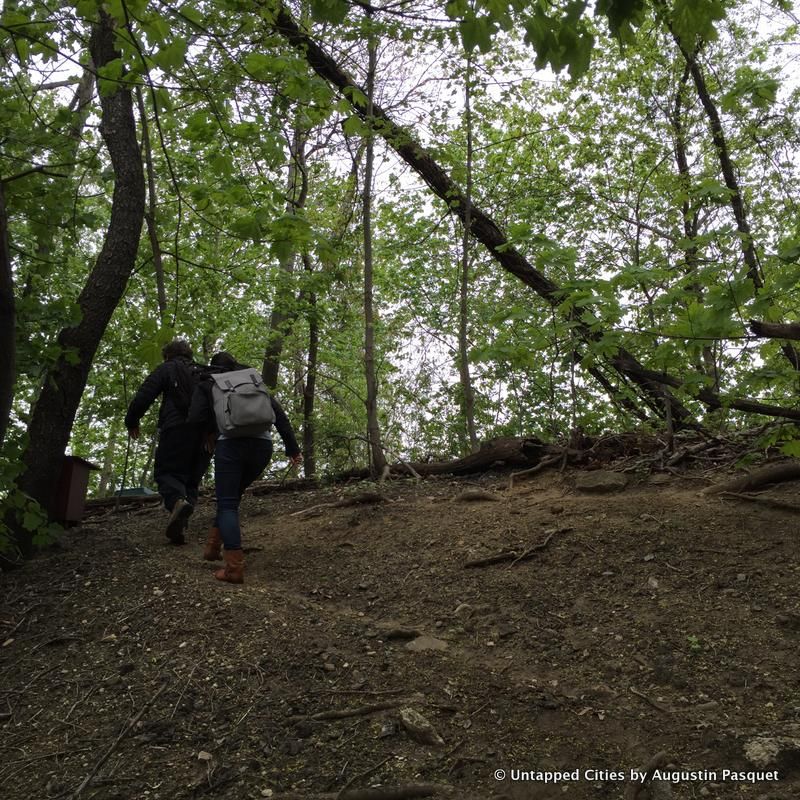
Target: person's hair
x=225 y=360
x=177 y=347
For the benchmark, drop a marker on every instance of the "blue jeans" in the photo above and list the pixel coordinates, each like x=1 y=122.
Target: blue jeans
x=237 y=463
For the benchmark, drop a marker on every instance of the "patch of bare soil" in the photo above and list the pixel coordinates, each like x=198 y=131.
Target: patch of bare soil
x=362 y=652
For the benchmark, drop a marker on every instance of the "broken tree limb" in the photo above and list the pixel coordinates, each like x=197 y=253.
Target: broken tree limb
x=774 y=473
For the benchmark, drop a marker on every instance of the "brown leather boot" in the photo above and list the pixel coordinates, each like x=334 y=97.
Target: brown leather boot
x=233 y=571
x=213 y=551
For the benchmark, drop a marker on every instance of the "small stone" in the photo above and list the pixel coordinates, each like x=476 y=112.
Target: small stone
x=419 y=729
x=426 y=643
x=328 y=667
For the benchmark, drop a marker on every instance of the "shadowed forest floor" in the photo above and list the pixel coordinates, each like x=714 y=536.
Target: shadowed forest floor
x=651 y=619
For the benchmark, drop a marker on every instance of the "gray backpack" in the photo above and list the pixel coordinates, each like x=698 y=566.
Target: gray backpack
x=242 y=403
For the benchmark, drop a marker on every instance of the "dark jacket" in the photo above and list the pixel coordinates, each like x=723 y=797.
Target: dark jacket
x=164 y=381
x=201 y=412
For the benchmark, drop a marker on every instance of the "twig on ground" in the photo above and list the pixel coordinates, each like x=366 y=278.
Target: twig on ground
x=346 y=502
x=513 y=555
x=545 y=462
x=113 y=746
x=364 y=774
x=359 y=711
x=650 y=701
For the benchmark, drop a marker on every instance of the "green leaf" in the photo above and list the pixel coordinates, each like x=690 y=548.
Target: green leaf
x=333 y=11
x=791 y=448
x=477 y=32
x=110 y=76
x=696 y=18
x=353 y=126
x=789 y=250
x=172 y=56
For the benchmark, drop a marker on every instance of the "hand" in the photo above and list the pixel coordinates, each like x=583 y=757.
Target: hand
x=296 y=459
x=133 y=432
x=210 y=442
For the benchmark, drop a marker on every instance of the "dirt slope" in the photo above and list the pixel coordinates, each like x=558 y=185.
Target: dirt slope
x=652 y=619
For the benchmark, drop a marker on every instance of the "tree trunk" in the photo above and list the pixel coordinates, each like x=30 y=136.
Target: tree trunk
x=731 y=181
x=468 y=394
x=8 y=323
x=106 y=484
x=150 y=214
x=378 y=459
x=310 y=386
x=54 y=412
x=282 y=317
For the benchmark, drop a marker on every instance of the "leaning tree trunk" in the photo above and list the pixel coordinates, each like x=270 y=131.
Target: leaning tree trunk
x=54 y=412
x=651 y=384
x=8 y=324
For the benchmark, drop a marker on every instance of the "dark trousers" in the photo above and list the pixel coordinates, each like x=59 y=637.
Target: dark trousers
x=180 y=463
x=237 y=463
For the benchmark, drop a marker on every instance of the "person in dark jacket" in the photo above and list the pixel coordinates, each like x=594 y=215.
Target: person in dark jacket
x=180 y=459
x=238 y=461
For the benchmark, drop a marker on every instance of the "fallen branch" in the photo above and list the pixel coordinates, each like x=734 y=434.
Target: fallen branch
x=545 y=462
x=346 y=502
x=692 y=450
x=359 y=711
x=513 y=555
x=774 y=473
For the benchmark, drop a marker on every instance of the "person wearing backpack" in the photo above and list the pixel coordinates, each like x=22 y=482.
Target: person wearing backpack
x=236 y=412
x=180 y=459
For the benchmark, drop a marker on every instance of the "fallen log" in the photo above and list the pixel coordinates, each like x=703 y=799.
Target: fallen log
x=773 y=473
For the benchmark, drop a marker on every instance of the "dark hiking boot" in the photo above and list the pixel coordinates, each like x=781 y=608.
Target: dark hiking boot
x=213 y=551
x=233 y=571
x=178 y=520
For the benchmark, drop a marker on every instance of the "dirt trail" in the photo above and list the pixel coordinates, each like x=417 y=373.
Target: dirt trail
x=652 y=619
